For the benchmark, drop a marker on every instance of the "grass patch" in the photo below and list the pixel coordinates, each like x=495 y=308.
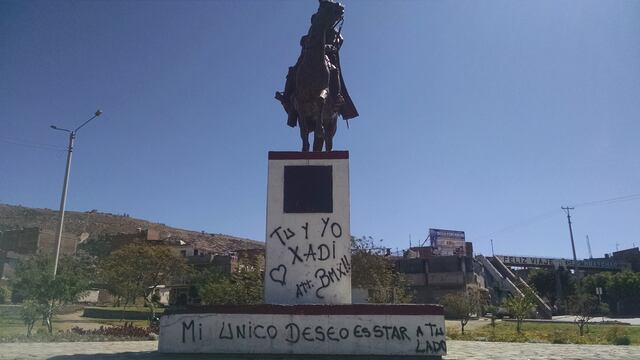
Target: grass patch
x=12 y=328
x=554 y=333
x=130 y=313
x=135 y=308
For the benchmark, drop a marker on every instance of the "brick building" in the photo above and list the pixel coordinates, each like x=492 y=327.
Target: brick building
x=19 y=243
x=446 y=266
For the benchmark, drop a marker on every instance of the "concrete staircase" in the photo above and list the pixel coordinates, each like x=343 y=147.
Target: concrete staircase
x=503 y=282
x=512 y=283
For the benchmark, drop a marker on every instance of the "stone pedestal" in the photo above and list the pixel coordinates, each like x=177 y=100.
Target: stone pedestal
x=307 y=282
x=308 y=258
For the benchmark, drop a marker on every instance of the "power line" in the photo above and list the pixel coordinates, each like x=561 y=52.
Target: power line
x=526 y=222
x=545 y=215
x=31 y=144
x=613 y=200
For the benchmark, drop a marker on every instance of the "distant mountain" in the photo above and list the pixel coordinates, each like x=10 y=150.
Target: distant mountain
x=95 y=223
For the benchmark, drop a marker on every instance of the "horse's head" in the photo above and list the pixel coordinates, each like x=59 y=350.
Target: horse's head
x=328 y=15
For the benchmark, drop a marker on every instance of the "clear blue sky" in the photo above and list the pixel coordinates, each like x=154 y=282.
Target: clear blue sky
x=482 y=116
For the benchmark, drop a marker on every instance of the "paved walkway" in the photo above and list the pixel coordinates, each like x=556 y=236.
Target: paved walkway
x=496 y=350
x=457 y=350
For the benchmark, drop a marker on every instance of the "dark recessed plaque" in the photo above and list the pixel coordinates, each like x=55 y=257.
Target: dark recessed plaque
x=308 y=189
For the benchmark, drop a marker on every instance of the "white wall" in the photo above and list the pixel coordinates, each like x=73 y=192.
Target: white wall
x=90 y=297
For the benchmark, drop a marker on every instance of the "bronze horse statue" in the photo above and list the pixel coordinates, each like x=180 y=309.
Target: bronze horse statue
x=315 y=94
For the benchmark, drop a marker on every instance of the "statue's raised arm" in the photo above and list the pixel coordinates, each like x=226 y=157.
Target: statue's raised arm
x=315 y=94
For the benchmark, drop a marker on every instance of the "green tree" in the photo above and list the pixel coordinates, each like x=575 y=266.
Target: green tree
x=137 y=270
x=544 y=281
x=30 y=312
x=100 y=246
x=116 y=278
x=5 y=295
x=462 y=305
x=584 y=307
x=243 y=287
x=624 y=292
x=372 y=269
x=520 y=307
x=34 y=282
x=593 y=281
x=621 y=291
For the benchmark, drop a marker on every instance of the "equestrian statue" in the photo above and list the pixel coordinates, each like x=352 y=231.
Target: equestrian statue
x=315 y=94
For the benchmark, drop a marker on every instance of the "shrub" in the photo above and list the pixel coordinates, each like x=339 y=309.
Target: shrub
x=155 y=298
x=491 y=313
x=617 y=336
x=4 y=295
x=30 y=312
x=128 y=330
x=559 y=337
x=453 y=334
x=622 y=340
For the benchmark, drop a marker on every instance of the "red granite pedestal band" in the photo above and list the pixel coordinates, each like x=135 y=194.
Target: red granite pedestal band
x=313 y=309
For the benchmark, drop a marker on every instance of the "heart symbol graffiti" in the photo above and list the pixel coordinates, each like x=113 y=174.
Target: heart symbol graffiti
x=279 y=274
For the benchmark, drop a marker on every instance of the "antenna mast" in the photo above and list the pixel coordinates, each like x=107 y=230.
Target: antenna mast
x=589 y=247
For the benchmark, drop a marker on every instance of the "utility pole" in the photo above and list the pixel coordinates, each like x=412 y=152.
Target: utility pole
x=573 y=246
x=492 y=253
x=63 y=201
x=65 y=185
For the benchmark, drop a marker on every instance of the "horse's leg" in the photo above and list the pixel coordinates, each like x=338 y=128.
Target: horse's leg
x=318 y=142
x=305 y=142
x=304 y=134
x=318 y=139
x=318 y=135
x=330 y=128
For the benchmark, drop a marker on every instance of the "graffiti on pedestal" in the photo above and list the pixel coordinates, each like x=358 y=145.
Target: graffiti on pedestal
x=332 y=275
x=415 y=337
x=279 y=274
x=320 y=251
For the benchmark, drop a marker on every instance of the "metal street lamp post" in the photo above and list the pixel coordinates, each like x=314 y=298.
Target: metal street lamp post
x=63 y=201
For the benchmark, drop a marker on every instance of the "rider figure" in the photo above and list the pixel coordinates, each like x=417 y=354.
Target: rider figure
x=333 y=42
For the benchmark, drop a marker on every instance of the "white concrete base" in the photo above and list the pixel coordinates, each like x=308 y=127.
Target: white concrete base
x=308 y=249
x=357 y=333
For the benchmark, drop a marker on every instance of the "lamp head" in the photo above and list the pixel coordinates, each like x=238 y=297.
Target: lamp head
x=98 y=112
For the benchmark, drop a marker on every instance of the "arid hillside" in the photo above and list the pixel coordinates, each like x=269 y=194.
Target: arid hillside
x=95 y=223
